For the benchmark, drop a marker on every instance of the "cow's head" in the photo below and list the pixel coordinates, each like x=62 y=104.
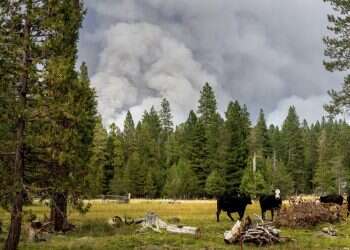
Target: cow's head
x=278 y=194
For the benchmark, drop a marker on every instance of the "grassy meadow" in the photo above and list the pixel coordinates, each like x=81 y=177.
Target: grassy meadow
x=93 y=232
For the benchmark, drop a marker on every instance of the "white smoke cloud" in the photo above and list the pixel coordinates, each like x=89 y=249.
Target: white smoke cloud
x=262 y=52
x=139 y=65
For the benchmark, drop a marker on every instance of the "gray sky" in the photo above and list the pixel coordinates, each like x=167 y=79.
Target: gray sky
x=265 y=53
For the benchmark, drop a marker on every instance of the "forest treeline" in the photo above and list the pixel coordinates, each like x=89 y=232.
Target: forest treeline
x=208 y=154
x=53 y=144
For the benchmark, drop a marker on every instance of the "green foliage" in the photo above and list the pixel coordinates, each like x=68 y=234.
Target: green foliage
x=236 y=145
x=114 y=158
x=253 y=183
x=277 y=177
x=337 y=47
x=97 y=161
x=331 y=173
x=293 y=155
x=195 y=148
x=262 y=139
x=150 y=189
x=181 y=181
x=215 y=185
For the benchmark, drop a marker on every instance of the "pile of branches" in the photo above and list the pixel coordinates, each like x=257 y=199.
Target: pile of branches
x=304 y=214
x=39 y=231
x=259 y=234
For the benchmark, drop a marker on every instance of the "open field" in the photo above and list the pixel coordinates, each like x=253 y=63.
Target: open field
x=94 y=233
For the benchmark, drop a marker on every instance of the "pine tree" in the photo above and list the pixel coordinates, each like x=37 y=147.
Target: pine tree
x=135 y=175
x=236 y=129
x=215 y=185
x=337 y=52
x=210 y=119
x=114 y=158
x=196 y=150
x=181 y=181
x=97 y=161
x=166 y=117
x=150 y=189
x=129 y=139
x=325 y=177
x=263 y=144
x=311 y=154
x=293 y=156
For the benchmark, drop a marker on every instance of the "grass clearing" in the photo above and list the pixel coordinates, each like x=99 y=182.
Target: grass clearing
x=93 y=232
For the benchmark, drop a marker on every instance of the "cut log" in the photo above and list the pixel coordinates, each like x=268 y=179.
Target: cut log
x=233 y=235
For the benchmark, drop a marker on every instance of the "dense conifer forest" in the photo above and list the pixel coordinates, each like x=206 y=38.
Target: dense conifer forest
x=54 y=144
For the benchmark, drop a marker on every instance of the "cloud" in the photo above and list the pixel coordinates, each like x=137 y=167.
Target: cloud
x=310 y=108
x=261 y=52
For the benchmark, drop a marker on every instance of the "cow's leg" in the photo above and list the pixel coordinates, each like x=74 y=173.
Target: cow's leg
x=229 y=215
x=263 y=214
x=278 y=212
x=272 y=214
x=241 y=213
x=218 y=215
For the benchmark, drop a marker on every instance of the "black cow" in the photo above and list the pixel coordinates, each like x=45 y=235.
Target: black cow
x=332 y=198
x=232 y=203
x=270 y=202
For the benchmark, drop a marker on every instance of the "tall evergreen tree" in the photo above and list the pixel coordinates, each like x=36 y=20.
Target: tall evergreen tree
x=263 y=144
x=337 y=50
x=236 y=129
x=293 y=156
x=97 y=160
x=129 y=139
x=196 y=150
x=114 y=159
x=210 y=119
x=166 y=117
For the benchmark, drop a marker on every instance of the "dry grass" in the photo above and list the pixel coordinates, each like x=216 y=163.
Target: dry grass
x=94 y=233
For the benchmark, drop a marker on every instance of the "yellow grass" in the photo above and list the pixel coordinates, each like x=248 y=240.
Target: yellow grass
x=93 y=232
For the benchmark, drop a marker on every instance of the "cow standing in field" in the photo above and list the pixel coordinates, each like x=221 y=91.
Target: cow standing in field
x=232 y=203
x=332 y=198
x=270 y=202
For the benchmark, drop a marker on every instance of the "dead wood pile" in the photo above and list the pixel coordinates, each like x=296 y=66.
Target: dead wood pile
x=259 y=234
x=153 y=222
x=307 y=214
x=39 y=231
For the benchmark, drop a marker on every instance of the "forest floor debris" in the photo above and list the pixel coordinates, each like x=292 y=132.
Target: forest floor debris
x=152 y=221
x=261 y=233
x=308 y=214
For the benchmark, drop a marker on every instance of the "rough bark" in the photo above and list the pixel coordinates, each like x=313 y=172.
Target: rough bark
x=14 y=233
x=59 y=211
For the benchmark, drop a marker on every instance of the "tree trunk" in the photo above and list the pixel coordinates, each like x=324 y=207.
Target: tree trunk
x=59 y=211
x=16 y=224
x=14 y=233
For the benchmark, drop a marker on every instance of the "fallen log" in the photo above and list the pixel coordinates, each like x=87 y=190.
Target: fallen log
x=153 y=222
